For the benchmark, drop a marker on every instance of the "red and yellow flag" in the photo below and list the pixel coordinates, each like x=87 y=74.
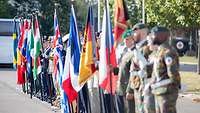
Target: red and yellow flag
x=87 y=63
x=20 y=75
x=120 y=20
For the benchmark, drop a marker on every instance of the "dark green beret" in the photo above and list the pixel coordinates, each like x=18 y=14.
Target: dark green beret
x=160 y=34
x=159 y=29
x=139 y=26
x=127 y=33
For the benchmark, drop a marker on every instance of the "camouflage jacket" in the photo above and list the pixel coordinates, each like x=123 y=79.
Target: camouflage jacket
x=137 y=82
x=166 y=77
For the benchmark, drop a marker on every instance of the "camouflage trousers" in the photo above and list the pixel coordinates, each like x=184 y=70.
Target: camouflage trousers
x=166 y=103
x=139 y=105
x=144 y=104
x=149 y=103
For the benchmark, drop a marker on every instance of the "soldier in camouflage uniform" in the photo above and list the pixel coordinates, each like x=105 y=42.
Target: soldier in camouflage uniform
x=140 y=70
x=129 y=42
x=166 y=78
x=123 y=80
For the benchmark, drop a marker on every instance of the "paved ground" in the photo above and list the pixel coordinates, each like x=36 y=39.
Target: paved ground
x=186 y=105
x=188 y=67
x=12 y=100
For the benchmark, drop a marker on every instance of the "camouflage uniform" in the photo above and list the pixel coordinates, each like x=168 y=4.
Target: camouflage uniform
x=166 y=76
x=144 y=102
x=139 y=69
x=149 y=100
x=122 y=83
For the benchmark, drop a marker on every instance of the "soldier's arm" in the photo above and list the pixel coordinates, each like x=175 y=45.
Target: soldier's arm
x=129 y=89
x=172 y=64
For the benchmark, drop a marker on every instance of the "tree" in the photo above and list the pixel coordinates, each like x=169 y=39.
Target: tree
x=173 y=13
x=7 y=11
x=45 y=9
x=81 y=8
x=134 y=11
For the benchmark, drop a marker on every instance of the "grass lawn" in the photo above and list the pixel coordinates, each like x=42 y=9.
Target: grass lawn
x=191 y=59
x=192 y=81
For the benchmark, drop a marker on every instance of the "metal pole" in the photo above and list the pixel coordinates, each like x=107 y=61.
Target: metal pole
x=110 y=75
x=99 y=19
x=143 y=11
x=198 y=66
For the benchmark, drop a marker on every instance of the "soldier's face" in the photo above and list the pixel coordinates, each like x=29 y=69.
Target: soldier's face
x=129 y=41
x=150 y=39
x=137 y=36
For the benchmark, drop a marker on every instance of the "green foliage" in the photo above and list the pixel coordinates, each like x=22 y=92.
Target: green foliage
x=45 y=10
x=170 y=13
x=81 y=7
x=7 y=11
x=173 y=13
x=134 y=11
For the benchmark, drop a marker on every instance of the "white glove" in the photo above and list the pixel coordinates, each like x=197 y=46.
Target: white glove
x=141 y=74
x=146 y=89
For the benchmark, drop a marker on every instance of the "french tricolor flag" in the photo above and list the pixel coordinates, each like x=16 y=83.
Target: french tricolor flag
x=71 y=69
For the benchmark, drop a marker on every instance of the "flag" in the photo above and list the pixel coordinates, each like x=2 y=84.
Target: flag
x=120 y=19
x=66 y=85
x=57 y=38
x=20 y=76
x=37 y=47
x=58 y=61
x=107 y=54
x=58 y=48
x=71 y=70
x=15 y=43
x=24 y=47
x=87 y=63
x=30 y=47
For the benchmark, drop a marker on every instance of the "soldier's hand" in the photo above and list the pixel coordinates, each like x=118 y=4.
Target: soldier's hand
x=147 y=89
x=129 y=96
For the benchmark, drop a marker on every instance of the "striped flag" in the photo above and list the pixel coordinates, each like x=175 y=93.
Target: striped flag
x=20 y=76
x=87 y=63
x=120 y=19
x=30 y=47
x=37 y=47
x=24 y=47
x=71 y=70
x=15 y=43
x=107 y=54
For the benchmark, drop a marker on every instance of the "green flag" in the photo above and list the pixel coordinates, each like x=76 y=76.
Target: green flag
x=37 y=46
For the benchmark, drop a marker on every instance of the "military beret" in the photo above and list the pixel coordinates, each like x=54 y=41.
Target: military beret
x=160 y=34
x=159 y=29
x=139 y=26
x=127 y=33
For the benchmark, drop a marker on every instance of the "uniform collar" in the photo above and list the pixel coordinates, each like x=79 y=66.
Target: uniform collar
x=141 y=43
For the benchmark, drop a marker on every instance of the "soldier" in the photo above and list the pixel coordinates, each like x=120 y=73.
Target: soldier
x=130 y=44
x=166 y=78
x=124 y=74
x=139 y=71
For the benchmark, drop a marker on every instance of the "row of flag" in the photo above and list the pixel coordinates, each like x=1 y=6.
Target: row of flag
x=79 y=65
x=26 y=48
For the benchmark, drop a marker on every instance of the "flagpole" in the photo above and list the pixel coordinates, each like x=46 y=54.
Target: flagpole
x=99 y=18
x=143 y=11
x=41 y=41
x=109 y=64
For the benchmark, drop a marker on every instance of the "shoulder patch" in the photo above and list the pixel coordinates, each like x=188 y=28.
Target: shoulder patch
x=168 y=60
